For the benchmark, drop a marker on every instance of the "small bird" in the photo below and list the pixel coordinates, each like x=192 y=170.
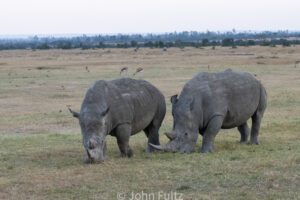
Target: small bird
x=87 y=69
x=208 y=67
x=124 y=69
x=138 y=70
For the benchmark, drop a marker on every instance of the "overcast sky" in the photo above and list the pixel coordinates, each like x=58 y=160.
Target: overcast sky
x=141 y=16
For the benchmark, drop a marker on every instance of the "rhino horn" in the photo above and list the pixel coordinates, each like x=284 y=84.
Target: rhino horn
x=158 y=147
x=165 y=147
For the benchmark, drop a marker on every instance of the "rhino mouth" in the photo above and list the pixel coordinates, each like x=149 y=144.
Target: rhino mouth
x=92 y=157
x=89 y=159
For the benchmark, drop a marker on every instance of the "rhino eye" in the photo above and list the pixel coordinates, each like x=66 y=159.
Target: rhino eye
x=185 y=134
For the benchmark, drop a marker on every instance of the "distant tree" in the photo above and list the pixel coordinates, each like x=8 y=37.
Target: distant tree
x=285 y=42
x=122 y=45
x=161 y=44
x=64 y=44
x=214 y=43
x=178 y=43
x=227 y=42
x=133 y=43
x=149 y=44
x=205 y=42
x=250 y=42
x=174 y=39
x=265 y=43
x=43 y=46
x=101 y=45
x=169 y=44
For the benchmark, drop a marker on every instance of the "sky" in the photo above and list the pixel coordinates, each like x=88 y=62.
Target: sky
x=27 y=17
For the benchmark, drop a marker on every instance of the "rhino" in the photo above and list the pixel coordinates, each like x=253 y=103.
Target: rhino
x=120 y=108
x=213 y=101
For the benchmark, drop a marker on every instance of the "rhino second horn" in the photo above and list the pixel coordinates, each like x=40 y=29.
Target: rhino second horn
x=170 y=136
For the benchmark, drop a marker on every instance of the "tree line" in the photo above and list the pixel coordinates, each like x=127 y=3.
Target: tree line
x=165 y=40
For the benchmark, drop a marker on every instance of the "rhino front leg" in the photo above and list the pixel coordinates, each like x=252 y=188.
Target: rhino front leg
x=210 y=133
x=123 y=133
x=244 y=131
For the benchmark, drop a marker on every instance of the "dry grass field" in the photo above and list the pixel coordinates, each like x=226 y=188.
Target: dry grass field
x=40 y=143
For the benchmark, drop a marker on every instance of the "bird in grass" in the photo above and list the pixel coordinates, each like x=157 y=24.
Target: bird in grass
x=124 y=69
x=87 y=69
x=138 y=70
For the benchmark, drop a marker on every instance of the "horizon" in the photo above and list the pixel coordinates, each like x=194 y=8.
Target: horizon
x=70 y=35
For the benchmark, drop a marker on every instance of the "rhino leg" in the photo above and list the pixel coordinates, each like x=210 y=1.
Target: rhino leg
x=244 y=131
x=123 y=133
x=210 y=133
x=256 y=119
x=152 y=133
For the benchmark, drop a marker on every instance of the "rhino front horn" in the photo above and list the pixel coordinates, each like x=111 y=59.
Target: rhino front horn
x=158 y=147
x=166 y=147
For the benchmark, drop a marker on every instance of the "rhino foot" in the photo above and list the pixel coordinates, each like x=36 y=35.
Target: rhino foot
x=128 y=154
x=206 y=149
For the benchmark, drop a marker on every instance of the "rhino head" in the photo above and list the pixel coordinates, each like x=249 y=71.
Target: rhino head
x=184 y=135
x=93 y=121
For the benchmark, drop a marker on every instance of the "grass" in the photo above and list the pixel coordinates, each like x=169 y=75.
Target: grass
x=40 y=143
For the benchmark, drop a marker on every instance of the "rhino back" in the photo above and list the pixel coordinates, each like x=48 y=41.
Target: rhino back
x=130 y=101
x=235 y=95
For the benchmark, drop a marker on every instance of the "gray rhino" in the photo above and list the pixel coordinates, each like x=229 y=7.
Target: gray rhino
x=211 y=101
x=121 y=108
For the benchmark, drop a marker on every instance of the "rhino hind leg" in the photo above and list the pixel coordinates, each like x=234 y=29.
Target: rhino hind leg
x=210 y=133
x=258 y=115
x=123 y=133
x=244 y=131
x=152 y=133
x=256 y=120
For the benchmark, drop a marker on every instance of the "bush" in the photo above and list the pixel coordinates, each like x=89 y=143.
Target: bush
x=43 y=46
x=227 y=42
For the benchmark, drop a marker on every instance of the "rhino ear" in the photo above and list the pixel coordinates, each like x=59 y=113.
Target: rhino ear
x=75 y=114
x=174 y=99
